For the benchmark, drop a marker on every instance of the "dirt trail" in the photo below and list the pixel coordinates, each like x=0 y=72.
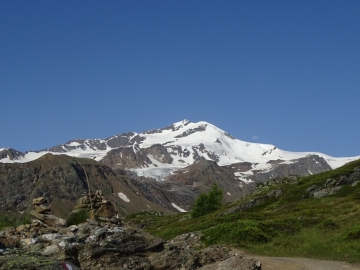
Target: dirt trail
x=285 y=263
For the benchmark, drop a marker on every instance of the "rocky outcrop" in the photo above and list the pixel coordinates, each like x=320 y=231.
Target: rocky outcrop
x=113 y=245
x=166 y=193
x=42 y=213
x=309 y=165
x=258 y=197
x=96 y=205
x=159 y=152
x=127 y=158
x=133 y=157
x=105 y=242
x=201 y=175
x=333 y=186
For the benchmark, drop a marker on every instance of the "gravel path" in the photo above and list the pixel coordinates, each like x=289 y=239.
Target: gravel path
x=285 y=263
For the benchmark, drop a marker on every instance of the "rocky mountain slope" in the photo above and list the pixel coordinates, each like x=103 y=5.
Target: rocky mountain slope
x=62 y=179
x=168 y=166
x=158 y=152
x=315 y=216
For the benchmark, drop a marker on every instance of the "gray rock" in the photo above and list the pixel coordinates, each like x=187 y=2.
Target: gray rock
x=234 y=263
x=326 y=192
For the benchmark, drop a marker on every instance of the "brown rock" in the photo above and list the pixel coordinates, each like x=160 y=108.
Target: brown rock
x=106 y=211
x=83 y=202
x=24 y=227
x=37 y=215
x=38 y=201
x=234 y=263
x=42 y=209
x=54 y=221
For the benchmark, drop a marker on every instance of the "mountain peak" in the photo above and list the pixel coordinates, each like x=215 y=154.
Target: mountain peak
x=182 y=142
x=182 y=123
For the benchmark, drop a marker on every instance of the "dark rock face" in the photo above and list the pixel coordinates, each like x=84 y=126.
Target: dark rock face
x=160 y=153
x=201 y=175
x=61 y=179
x=126 y=158
x=312 y=164
x=240 y=167
x=178 y=151
x=120 y=140
x=134 y=157
x=165 y=193
x=201 y=148
x=10 y=153
x=15 y=180
x=171 y=127
x=192 y=131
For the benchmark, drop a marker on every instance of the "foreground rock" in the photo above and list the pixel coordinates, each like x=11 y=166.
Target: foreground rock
x=97 y=204
x=112 y=245
x=104 y=243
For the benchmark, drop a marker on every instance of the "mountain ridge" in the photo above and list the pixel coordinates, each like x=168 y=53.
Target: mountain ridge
x=183 y=142
x=172 y=165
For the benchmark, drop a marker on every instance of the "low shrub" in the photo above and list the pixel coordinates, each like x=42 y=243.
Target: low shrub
x=277 y=227
x=77 y=217
x=239 y=233
x=329 y=224
x=353 y=233
x=13 y=219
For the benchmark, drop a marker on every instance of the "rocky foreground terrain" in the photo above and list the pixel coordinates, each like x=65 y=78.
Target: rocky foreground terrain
x=105 y=242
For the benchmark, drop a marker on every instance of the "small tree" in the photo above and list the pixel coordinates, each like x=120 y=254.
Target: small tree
x=207 y=202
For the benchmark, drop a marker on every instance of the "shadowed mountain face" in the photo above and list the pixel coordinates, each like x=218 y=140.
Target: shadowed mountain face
x=62 y=179
x=10 y=154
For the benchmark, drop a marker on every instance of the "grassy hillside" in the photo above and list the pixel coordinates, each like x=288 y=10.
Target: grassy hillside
x=290 y=224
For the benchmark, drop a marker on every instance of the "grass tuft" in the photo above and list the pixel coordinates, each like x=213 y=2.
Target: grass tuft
x=77 y=217
x=13 y=219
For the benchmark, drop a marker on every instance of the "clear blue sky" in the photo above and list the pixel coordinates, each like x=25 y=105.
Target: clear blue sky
x=286 y=71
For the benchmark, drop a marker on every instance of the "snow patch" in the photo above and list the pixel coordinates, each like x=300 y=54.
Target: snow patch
x=241 y=178
x=73 y=144
x=157 y=173
x=178 y=208
x=123 y=197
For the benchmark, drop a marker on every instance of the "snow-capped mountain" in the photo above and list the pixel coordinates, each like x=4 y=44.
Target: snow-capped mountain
x=157 y=153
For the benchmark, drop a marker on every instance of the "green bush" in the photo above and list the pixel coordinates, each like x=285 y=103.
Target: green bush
x=329 y=224
x=239 y=233
x=277 y=227
x=77 y=217
x=207 y=202
x=353 y=233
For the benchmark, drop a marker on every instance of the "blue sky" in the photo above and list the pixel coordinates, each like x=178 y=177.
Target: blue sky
x=285 y=71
